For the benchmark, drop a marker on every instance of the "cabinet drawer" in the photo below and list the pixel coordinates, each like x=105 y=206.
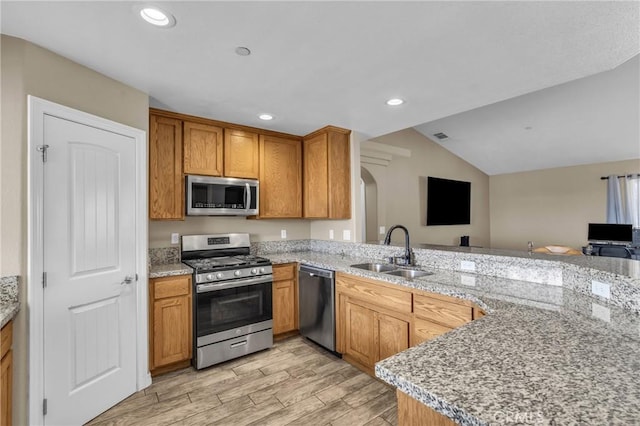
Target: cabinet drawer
x=284 y=272
x=375 y=293
x=426 y=330
x=171 y=287
x=445 y=313
x=6 y=338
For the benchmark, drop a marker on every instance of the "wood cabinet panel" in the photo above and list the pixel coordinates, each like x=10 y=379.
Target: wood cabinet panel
x=445 y=313
x=241 y=154
x=170 y=339
x=316 y=177
x=280 y=177
x=360 y=333
x=376 y=292
x=6 y=338
x=6 y=389
x=202 y=149
x=414 y=413
x=424 y=330
x=166 y=187
x=393 y=336
x=327 y=174
x=285 y=298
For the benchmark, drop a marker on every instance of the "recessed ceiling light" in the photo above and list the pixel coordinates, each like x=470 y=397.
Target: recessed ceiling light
x=156 y=16
x=243 y=51
x=395 y=102
x=265 y=117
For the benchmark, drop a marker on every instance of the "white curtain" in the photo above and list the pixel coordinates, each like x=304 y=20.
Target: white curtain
x=615 y=208
x=633 y=200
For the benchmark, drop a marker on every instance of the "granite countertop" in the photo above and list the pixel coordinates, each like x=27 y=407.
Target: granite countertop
x=543 y=355
x=9 y=304
x=169 y=270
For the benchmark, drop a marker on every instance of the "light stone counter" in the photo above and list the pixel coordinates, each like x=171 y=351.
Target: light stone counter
x=545 y=354
x=9 y=304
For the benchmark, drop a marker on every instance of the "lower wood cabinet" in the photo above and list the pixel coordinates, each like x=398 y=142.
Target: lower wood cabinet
x=285 y=298
x=170 y=323
x=375 y=320
x=6 y=376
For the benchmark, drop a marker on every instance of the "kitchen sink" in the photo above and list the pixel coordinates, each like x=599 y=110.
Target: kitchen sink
x=409 y=273
x=375 y=267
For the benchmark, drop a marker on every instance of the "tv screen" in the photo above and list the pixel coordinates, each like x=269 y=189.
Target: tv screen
x=610 y=232
x=448 y=202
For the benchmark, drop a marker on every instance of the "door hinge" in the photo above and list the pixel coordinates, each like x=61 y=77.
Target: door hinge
x=43 y=150
x=136 y=277
x=44 y=407
x=44 y=280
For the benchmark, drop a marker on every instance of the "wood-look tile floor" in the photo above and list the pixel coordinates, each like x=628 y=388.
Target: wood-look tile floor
x=293 y=383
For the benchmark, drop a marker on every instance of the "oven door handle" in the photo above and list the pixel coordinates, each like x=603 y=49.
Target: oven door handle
x=204 y=288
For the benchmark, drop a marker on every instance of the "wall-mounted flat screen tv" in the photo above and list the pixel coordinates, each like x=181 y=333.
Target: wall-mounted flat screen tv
x=448 y=202
x=610 y=232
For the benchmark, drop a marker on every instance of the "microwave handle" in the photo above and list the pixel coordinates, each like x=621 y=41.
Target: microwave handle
x=247 y=197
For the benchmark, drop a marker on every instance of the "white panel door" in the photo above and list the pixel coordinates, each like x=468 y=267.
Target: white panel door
x=89 y=251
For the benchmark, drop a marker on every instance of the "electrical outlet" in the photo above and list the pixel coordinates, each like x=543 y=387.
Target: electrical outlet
x=601 y=312
x=601 y=289
x=468 y=280
x=283 y=233
x=175 y=238
x=466 y=265
x=346 y=235
x=331 y=234
x=382 y=230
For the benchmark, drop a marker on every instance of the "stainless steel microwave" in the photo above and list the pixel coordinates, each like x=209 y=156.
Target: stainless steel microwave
x=220 y=196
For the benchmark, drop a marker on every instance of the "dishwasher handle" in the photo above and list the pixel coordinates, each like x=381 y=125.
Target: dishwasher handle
x=316 y=272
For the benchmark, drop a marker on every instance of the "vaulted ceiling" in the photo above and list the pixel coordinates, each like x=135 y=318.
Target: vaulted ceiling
x=318 y=63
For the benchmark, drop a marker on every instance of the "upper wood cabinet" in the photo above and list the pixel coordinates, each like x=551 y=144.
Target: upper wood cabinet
x=202 y=149
x=241 y=154
x=166 y=187
x=280 y=177
x=327 y=174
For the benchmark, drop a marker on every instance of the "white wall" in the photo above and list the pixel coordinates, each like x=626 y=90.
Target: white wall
x=27 y=69
x=401 y=195
x=551 y=207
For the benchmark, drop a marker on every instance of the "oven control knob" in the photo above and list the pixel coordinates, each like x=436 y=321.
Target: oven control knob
x=254 y=271
x=219 y=275
x=262 y=270
x=237 y=273
x=209 y=277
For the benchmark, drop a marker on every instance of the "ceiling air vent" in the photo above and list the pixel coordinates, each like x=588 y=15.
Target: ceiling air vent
x=441 y=136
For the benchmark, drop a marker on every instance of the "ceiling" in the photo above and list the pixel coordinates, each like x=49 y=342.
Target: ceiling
x=318 y=63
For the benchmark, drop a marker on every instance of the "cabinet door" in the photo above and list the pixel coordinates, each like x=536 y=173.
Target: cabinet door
x=339 y=161
x=241 y=154
x=202 y=149
x=284 y=312
x=360 y=334
x=6 y=388
x=280 y=177
x=171 y=328
x=393 y=335
x=316 y=177
x=166 y=188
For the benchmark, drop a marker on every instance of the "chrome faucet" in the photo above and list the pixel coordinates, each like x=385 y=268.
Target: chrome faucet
x=407 y=250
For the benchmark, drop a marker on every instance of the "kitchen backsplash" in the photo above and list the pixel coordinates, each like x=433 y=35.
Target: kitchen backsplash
x=164 y=255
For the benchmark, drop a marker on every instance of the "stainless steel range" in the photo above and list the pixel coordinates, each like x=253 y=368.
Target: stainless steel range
x=232 y=313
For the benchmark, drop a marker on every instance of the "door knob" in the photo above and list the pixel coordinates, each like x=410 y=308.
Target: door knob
x=127 y=280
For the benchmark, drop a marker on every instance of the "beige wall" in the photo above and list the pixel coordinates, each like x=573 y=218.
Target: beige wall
x=27 y=69
x=552 y=206
x=403 y=199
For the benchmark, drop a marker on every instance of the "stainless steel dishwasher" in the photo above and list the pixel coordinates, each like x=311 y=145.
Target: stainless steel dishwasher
x=316 y=301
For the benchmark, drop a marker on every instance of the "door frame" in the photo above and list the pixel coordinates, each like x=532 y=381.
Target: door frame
x=37 y=109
